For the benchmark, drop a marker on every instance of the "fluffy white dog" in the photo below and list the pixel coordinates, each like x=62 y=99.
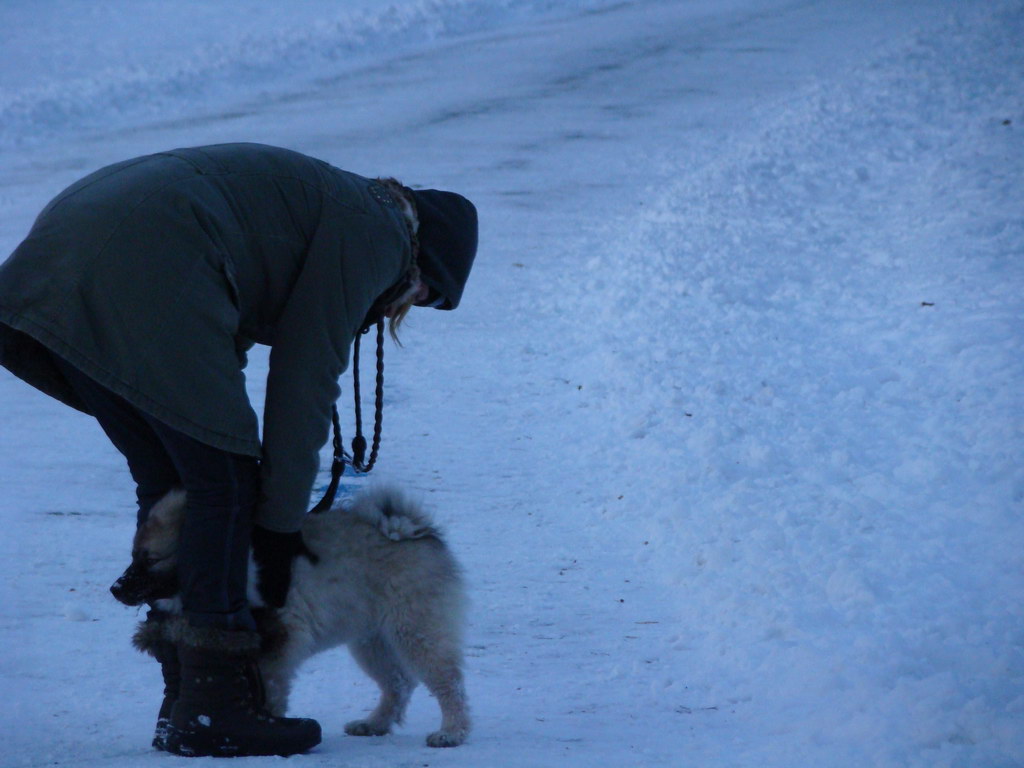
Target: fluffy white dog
x=383 y=581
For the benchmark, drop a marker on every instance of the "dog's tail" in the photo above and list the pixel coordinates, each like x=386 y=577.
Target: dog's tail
x=394 y=514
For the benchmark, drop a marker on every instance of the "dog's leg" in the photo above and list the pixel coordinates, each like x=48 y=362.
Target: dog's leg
x=278 y=675
x=437 y=661
x=377 y=658
x=279 y=666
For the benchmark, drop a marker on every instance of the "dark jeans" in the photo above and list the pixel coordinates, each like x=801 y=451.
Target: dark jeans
x=221 y=490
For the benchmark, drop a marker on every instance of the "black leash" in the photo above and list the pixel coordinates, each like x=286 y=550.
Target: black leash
x=358 y=442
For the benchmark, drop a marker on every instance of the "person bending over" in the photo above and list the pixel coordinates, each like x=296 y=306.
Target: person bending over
x=134 y=298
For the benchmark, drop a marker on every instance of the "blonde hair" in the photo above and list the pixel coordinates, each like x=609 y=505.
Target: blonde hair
x=401 y=305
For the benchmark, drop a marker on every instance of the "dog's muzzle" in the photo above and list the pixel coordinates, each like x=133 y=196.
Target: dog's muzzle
x=137 y=585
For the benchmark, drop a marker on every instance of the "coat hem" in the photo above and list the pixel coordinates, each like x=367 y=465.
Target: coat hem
x=58 y=346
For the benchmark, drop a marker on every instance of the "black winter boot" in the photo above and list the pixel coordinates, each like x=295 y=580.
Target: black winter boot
x=167 y=654
x=220 y=710
x=152 y=638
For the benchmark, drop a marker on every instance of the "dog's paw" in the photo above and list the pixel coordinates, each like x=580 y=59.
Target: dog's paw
x=366 y=728
x=446 y=738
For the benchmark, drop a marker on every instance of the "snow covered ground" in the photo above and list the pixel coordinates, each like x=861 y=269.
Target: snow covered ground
x=728 y=431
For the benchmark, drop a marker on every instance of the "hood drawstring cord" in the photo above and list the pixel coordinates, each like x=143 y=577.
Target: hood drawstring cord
x=358 y=442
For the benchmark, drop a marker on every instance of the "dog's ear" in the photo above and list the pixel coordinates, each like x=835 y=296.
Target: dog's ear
x=156 y=540
x=169 y=511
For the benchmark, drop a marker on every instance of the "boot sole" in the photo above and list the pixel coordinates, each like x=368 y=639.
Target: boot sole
x=206 y=744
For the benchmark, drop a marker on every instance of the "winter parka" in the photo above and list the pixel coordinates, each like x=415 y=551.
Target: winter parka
x=154 y=275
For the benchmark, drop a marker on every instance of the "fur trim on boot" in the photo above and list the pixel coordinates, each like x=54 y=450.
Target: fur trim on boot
x=234 y=642
x=176 y=629
x=149 y=635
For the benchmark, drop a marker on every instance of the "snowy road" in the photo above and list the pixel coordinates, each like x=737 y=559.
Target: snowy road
x=727 y=429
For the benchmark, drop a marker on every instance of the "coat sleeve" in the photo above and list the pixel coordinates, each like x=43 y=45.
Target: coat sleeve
x=344 y=271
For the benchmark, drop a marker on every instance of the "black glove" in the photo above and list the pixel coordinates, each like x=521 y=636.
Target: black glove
x=274 y=554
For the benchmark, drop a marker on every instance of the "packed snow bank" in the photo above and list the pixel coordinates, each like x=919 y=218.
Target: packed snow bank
x=813 y=352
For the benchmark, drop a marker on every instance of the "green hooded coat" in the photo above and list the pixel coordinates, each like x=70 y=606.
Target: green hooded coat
x=154 y=275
